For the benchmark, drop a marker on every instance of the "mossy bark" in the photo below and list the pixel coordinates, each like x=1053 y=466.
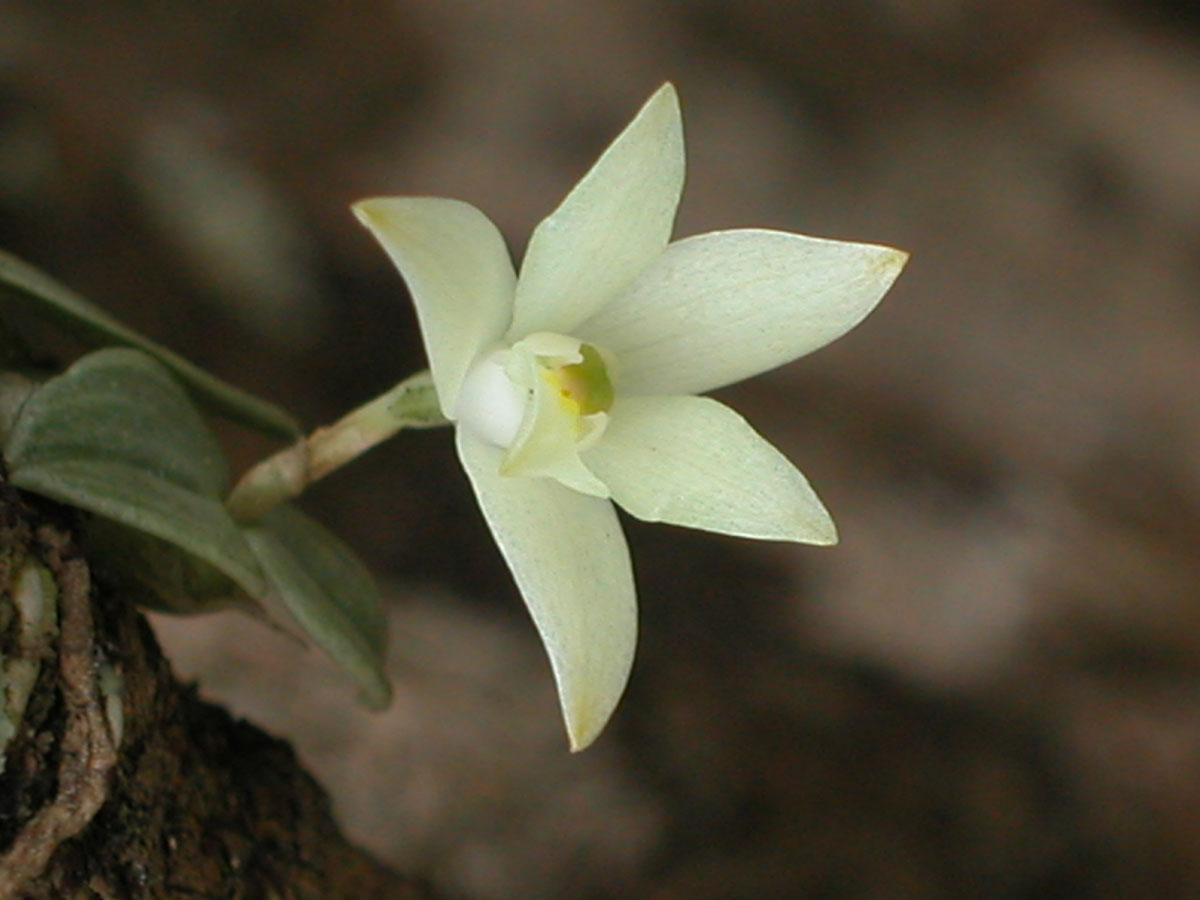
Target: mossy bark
x=120 y=784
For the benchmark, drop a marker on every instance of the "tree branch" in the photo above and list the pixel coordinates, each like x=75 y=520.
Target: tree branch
x=119 y=782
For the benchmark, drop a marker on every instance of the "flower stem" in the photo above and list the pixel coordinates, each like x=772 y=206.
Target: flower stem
x=410 y=404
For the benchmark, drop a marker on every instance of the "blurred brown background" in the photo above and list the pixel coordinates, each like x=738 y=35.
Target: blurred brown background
x=991 y=689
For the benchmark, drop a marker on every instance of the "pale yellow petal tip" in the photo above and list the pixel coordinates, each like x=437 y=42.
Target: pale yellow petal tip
x=661 y=111
x=666 y=93
x=379 y=213
x=582 y=731
x=367 y=211
x=826 y=534
x=586 y=715
x=815 y=528
x=823 y=534
x=827 y=537
x=891 y=263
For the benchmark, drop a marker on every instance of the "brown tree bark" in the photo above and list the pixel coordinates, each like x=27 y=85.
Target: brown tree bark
x=118 y=782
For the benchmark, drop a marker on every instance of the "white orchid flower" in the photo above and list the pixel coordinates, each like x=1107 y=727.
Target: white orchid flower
x=574 y=385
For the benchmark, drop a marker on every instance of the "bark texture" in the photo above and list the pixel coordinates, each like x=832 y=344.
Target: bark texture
x=120 y=784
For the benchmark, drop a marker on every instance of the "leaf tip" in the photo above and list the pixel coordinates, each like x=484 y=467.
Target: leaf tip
x=377 y=695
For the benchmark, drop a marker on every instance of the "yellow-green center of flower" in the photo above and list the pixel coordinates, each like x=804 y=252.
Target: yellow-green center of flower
x=544 y=400
x=584 y=383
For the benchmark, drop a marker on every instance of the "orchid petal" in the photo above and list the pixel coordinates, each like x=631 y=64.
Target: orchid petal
x=694 y=462
x=458 y=272
x=569 y=558
x=611 y=225
x=720 y=307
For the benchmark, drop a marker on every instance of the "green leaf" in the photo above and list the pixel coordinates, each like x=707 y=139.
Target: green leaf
x=15 y=389
x=21 y=283
x=117 y=436
x=322 y=584
x=159 y=575
x=13 y=351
